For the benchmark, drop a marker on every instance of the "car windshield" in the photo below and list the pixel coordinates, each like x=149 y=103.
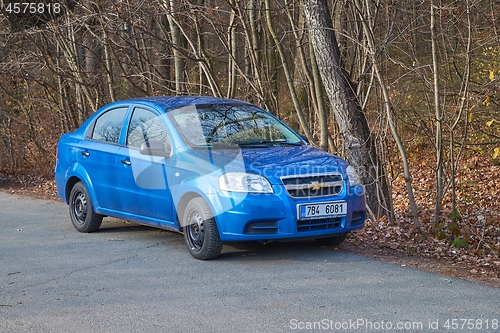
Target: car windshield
x=238 y=125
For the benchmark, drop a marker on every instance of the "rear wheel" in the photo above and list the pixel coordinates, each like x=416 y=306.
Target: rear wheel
x=200 y=230
x=332 y=241
x=81 y=211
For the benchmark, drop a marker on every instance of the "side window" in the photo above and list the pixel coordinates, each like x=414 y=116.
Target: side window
x=108 y=125
x=145 y=126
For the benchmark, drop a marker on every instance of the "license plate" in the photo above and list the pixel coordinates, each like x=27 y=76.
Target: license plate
x=322 y=210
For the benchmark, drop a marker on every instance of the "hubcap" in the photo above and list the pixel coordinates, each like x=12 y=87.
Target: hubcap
x=80 y=207
x=195 y=231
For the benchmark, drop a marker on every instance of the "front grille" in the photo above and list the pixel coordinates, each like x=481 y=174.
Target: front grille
x=267 y=227
x=320 y=224
x=314 y=186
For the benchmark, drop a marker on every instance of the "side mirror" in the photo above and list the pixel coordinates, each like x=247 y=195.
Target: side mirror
x=155 y=148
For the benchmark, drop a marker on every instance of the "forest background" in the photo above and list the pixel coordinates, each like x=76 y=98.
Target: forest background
x=423 y=75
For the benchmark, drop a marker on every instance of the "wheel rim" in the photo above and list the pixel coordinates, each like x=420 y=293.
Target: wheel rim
x=195 y=232
x=80 y=207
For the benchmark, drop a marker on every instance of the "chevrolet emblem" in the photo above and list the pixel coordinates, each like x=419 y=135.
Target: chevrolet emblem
x=316 y=186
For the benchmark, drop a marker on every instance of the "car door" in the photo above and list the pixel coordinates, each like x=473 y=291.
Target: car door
x=144 y=182
x=98 y=156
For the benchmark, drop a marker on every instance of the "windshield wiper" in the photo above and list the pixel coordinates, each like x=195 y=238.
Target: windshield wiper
x=267 y=143
x=287 y=143
x=218 y=145
x=249 y=144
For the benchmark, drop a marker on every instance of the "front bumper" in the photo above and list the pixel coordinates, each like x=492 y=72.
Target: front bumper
x=267 y=217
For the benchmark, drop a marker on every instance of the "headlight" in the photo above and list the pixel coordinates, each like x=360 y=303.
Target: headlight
x=353 y=176
x=244 y=182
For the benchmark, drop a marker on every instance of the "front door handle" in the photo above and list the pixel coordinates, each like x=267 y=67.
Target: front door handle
x=85 y=153
x=126 y=162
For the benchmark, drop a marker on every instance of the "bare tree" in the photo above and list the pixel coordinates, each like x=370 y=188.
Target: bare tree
x=357 y=139
x=289 y=79
x=171 y=8
x=439 y=117
x=366 y=20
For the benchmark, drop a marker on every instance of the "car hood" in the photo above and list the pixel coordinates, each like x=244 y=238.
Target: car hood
x=273 y=162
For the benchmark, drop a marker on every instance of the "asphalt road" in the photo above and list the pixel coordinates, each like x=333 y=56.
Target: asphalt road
x=130 y=278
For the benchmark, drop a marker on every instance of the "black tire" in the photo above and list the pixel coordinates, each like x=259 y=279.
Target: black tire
x=332 y=241
x=81 y=211
x=200 y=230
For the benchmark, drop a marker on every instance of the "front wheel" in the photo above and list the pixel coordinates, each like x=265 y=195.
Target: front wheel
x=332 y=241
x=81 y=211
x=200 y=230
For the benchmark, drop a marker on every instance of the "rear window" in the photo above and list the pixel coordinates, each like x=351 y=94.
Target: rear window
x=108 y=126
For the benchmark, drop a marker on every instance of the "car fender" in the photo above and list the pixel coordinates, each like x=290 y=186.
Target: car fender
x=77 y=171
x=185 y=191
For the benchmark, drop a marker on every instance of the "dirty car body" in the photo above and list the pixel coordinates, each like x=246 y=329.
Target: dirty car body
x=217 y=170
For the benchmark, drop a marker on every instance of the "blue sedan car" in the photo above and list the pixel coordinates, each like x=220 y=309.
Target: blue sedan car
x=217 y=170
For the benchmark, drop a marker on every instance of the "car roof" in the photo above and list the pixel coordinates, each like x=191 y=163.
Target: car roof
x=167 y=102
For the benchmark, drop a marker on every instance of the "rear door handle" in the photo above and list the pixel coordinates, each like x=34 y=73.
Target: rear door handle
x=85 y=153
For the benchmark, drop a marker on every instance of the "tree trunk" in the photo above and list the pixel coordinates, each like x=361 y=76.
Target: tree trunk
x=358 y=143
x=233 y=47
x=322 y=111
x=462 y=109
x=439 y=117
x=179 y=62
